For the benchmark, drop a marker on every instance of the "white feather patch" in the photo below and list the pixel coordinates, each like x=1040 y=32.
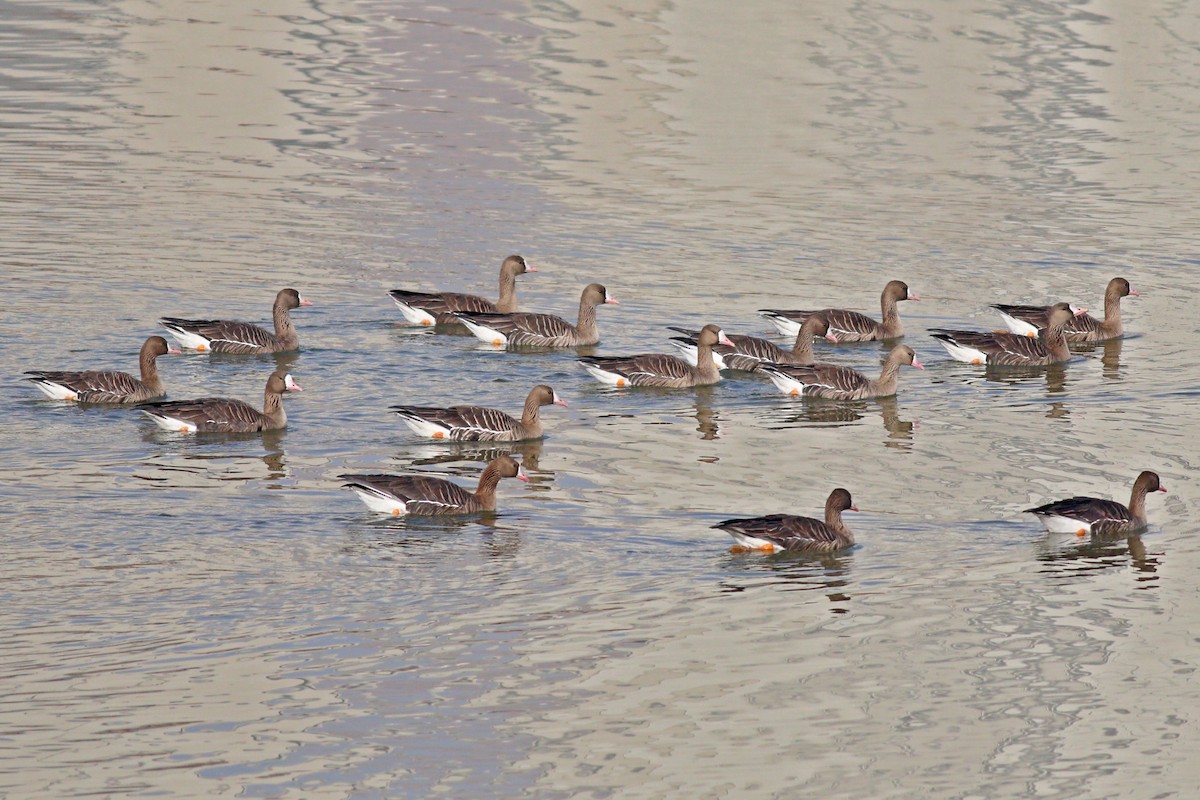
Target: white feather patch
x=56 y=391
x=381 y=503
x=484 y=333
x=968 y=355
x=1018 y=326
x=170 y=423
x=189 y=340
x=414 y=315
x=1058 y=524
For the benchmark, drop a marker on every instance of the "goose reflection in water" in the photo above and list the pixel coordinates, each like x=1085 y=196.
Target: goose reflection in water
x=527 y=452
x=794 y=571
x=1068 y=557
x=707 y=419
x=839 y=413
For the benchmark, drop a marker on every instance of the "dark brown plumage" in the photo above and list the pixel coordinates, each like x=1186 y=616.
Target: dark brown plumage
x=850 y=326
x=1083 y=515
x=223 y=414
x=479 y=424
x=439 y=308
x=777 y=532
x=833 y=382
x=748 y=353
x=95 y=386
x=541 y=330
x=1030 y=320
x=1011 y=349
x=426 y=496
x=660 y=369
x=240 y=338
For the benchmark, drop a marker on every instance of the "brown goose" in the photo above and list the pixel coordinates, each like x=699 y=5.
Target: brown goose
x=426 y=496
x=660 y=369
x=541 y=330
x=1029 y=320
x=223 y=415
x=240 y=338
x=439 y=308
x=749 y=352
x=850 y=326
x=108 y=387
x=477 y=424
x=778 y=532
x=1012 y=349
x=1084 y=515
x=841 y=383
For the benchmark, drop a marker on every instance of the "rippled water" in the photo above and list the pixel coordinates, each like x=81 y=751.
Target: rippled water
x=216 y=616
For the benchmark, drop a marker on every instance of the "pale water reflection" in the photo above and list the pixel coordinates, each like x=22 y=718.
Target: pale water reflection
x=187 y=616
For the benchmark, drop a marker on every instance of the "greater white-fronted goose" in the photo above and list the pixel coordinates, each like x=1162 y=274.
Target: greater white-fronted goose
x=778 y=532
x=831 y=382
x=850 y=326
x=94 y=386
x=439 y=308
x=660 y=369
x=478 y=424
x=1030 y=320
x=426 y=496
x=1012 y=349
x=225 y=415
x=240 y=338
x=1084 y=515
x=749 y=352
x=541 y=330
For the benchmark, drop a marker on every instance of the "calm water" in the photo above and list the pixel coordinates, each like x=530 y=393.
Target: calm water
x=216 y=617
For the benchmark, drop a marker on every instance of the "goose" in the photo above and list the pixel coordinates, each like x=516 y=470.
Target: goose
x=1012 y=349
x=660 y=369
x=224 y=415
x=749 y=352
x=94 y=386
x=478 y=424
x=1084 y=515
x=777 y=532
x=439 y=308
x=1029 y=320
x=832 y=382
x=541 y=330
x=426 y=496
x=240 y=338
x=850 y=326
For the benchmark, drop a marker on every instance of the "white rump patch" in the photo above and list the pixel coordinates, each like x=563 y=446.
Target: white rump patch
x=55 y=391
x=423 y=427
x=381 y=503
x=604 y=376
x=753 y=542
x=188 y=340
x=968 y=355
x=1018 y=326
x=1058 y=524
x=484 y=333
x=414 y=315
x=170 y=423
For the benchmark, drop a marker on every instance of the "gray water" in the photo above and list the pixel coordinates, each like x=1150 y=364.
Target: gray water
x=216 y=617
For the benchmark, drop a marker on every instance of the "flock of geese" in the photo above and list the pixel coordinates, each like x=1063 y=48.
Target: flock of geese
x=1036 y=336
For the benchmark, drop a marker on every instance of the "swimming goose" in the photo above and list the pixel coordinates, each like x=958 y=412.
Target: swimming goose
x=1012 y=349
x=225 y=415
x=96 y=386
x=426 y=496
x=1084 y=515
x=660 y=369
x=832 y=382
x=1029 y=320
x=541 y=330
x=850 y=326
x=749 y=352
x=438 y=308
x=240 y=338
x=777 y=532
x=478 y=424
